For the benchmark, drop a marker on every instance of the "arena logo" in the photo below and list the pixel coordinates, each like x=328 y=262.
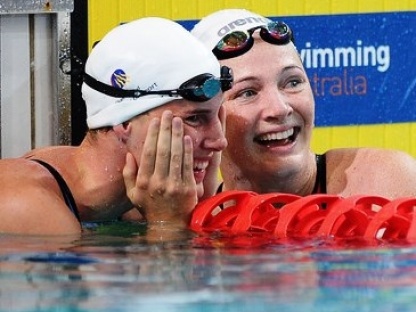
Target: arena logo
x=239 y=22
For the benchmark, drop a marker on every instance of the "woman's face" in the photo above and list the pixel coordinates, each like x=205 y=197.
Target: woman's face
x=201 y=122
x=270 y=111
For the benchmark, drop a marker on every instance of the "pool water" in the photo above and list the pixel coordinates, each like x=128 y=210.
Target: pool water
x=114 y=267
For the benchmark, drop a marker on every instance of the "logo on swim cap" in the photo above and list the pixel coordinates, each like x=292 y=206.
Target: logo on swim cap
x=119 y=78
x=257 y=21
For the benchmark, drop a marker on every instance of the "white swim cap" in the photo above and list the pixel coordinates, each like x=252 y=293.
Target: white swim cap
x=212 y=28
x=151 y=53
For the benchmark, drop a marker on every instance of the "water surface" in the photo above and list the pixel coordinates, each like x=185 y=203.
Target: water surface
x=116 y=268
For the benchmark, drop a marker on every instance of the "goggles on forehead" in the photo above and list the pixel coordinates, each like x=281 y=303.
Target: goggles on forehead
x=200 y=88
x=239 y=42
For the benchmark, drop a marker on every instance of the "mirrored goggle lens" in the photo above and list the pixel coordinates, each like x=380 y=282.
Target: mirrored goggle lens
x=239 y=42
x=206 y=86
x=278 y=31
x=209 y=89
x=233 y=41
x=200 y=88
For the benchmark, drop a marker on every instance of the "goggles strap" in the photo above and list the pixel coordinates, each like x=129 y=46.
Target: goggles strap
x=226 y=78
x=109 y=90
x=189 y=93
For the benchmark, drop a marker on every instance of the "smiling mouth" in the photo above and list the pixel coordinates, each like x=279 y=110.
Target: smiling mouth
x=278 y=138
x=200 y=166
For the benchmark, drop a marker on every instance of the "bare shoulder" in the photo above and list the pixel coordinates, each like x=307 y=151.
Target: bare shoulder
x=385 y=172
x=372 y=157
x=31 y=200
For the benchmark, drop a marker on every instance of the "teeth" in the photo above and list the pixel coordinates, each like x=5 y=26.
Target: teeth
x=200 y=165
x=277 y=135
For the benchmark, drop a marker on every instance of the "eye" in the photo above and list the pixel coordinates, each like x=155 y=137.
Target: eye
x=294 y=84
x=246 y=94
x=195 y=120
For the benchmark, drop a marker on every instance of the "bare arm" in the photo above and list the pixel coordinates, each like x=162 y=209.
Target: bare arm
x=383 y=172
x=31 y=201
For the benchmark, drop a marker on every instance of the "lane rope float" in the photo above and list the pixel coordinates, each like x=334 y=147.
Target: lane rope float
x=319 y=215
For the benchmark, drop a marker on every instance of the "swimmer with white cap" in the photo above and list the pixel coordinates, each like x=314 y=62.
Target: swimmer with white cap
x=153 y=98
x=271 y=116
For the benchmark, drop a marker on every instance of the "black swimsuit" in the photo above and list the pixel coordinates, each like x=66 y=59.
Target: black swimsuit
x=66 y=192
x=320 y=182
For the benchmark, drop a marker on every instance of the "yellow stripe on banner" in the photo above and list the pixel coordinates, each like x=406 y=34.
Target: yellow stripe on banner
x=400 y=136
x=105 y=14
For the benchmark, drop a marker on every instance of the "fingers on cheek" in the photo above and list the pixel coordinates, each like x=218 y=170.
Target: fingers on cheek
x=188 y=159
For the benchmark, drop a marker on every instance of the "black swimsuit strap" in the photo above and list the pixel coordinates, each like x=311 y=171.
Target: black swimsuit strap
x=320 y=182
x=66 y=192
x=219 y=189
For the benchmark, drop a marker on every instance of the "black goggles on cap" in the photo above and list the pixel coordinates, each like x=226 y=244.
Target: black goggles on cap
x=200 y=88
x=239 y=42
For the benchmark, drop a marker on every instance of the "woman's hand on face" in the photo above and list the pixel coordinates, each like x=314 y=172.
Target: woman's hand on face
x=162 y=183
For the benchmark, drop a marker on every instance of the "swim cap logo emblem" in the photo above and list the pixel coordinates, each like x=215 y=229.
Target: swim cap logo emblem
x=119 y=79
x=240 y=22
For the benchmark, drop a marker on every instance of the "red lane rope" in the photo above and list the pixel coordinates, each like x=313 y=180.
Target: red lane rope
x=320 y=215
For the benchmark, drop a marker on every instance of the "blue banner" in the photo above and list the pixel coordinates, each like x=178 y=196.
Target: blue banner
x=362 y=67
